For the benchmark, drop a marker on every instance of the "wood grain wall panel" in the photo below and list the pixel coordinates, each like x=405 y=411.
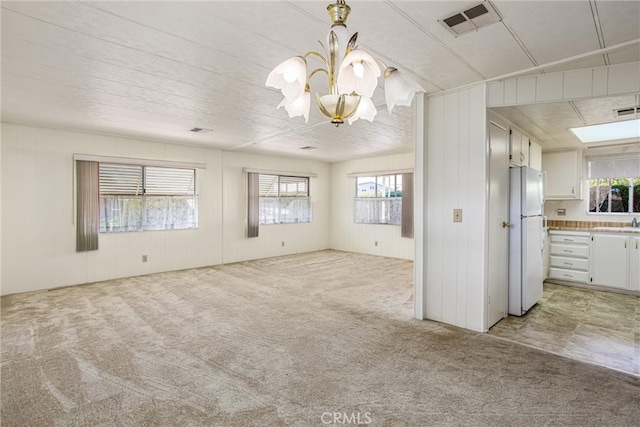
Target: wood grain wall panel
x=462 y=202
x=434 y=233
x=456 y=177
x=450 y=187
x=477 y=220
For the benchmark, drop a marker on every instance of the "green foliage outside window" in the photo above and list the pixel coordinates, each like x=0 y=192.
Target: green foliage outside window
x=614 y=195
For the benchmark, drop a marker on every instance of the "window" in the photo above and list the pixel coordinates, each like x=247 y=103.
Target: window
x=283 y=199
x=378 y=199
x=614 y=184
x=141 y=198
x=614 y=195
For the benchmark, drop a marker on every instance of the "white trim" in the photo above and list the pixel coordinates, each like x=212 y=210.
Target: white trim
x=142 y=162
x=280 y=173
x=378 y=173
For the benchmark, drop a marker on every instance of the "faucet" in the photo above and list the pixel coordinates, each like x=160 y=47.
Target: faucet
x=634 y=223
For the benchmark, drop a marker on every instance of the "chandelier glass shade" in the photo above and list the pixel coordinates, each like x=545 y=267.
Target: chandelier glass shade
x=352 y=75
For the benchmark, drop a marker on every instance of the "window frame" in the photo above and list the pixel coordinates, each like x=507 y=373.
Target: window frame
x=190 y=198
x=281 y=203
x=633 y=190
x=384 y=202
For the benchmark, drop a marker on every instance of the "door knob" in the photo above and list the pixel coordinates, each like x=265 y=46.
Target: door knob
x=506 y=224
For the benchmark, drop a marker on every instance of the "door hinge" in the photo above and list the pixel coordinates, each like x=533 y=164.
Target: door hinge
x=592 y=238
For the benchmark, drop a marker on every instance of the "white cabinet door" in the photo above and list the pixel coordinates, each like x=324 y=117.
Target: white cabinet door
x=634 y=264
x=545 y=256
x=610 y=260
x=562 y=169
x=516 y=156
x=535 y=155
x=519 y=148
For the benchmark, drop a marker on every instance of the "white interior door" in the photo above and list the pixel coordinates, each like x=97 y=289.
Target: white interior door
x=498 y=249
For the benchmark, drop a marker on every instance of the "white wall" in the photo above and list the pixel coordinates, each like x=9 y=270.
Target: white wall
x=38 y=230
x=303 y=237
x=456 y=177
x=577 y=210
x=348 y=236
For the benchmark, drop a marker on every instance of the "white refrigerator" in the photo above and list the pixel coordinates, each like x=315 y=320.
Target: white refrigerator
x=526 y=239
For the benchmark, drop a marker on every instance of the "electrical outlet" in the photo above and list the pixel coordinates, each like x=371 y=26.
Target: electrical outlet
x=144 y=258
x=561 y=212
x=457 y=215
x=283 y=243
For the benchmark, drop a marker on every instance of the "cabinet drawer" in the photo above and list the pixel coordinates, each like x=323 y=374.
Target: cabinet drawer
x=570 y=263
x=564 y=274
x=561 y=238
x=581 y=251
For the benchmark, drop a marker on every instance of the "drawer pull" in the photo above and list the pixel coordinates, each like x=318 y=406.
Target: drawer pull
x=568 y=251
x=568 y=240
x=567 y=275
x=567 y=263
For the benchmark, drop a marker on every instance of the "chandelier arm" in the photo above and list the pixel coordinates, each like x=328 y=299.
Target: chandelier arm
x=379 y=61
x=322 y=58
x=314 y=72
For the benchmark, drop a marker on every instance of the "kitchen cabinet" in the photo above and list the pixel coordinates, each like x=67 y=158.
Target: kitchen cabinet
x=535 y=155
x=569 y=254
x=634 y=264
x=545 y=256
x=518 y=147
x=610 y=260
x=563 y=174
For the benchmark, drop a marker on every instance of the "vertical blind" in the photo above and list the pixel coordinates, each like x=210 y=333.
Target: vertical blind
x=88 y=206
x=253 y=204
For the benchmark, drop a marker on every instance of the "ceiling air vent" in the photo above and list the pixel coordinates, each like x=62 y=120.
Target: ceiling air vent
x=470 y=19
x=627 y=111
x=200 y=130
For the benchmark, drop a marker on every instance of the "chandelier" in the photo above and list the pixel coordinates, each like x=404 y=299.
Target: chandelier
x=352 y=76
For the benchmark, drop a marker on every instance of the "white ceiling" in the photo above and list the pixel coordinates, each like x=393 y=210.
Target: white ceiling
x=157 y=69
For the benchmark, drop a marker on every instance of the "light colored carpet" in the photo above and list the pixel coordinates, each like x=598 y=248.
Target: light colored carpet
x=303 y=340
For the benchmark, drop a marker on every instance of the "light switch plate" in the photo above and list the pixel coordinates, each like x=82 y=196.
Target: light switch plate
x=457 y=215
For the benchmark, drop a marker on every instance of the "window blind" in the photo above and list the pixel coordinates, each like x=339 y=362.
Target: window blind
x=88 y=206
x=120 y=179
x=268 y=185
x=294 y=186
x=169 y=181
x=613 y=166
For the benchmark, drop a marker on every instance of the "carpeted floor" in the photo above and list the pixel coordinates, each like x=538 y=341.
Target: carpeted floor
x=314 y=339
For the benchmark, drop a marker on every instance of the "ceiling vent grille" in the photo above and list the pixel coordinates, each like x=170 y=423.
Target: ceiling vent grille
x=627 y=111
x=200 y=130
x=471 y=19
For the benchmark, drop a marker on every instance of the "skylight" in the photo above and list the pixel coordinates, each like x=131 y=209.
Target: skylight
x=608 y=131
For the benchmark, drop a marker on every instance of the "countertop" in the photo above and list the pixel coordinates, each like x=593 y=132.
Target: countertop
x=592 y=226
